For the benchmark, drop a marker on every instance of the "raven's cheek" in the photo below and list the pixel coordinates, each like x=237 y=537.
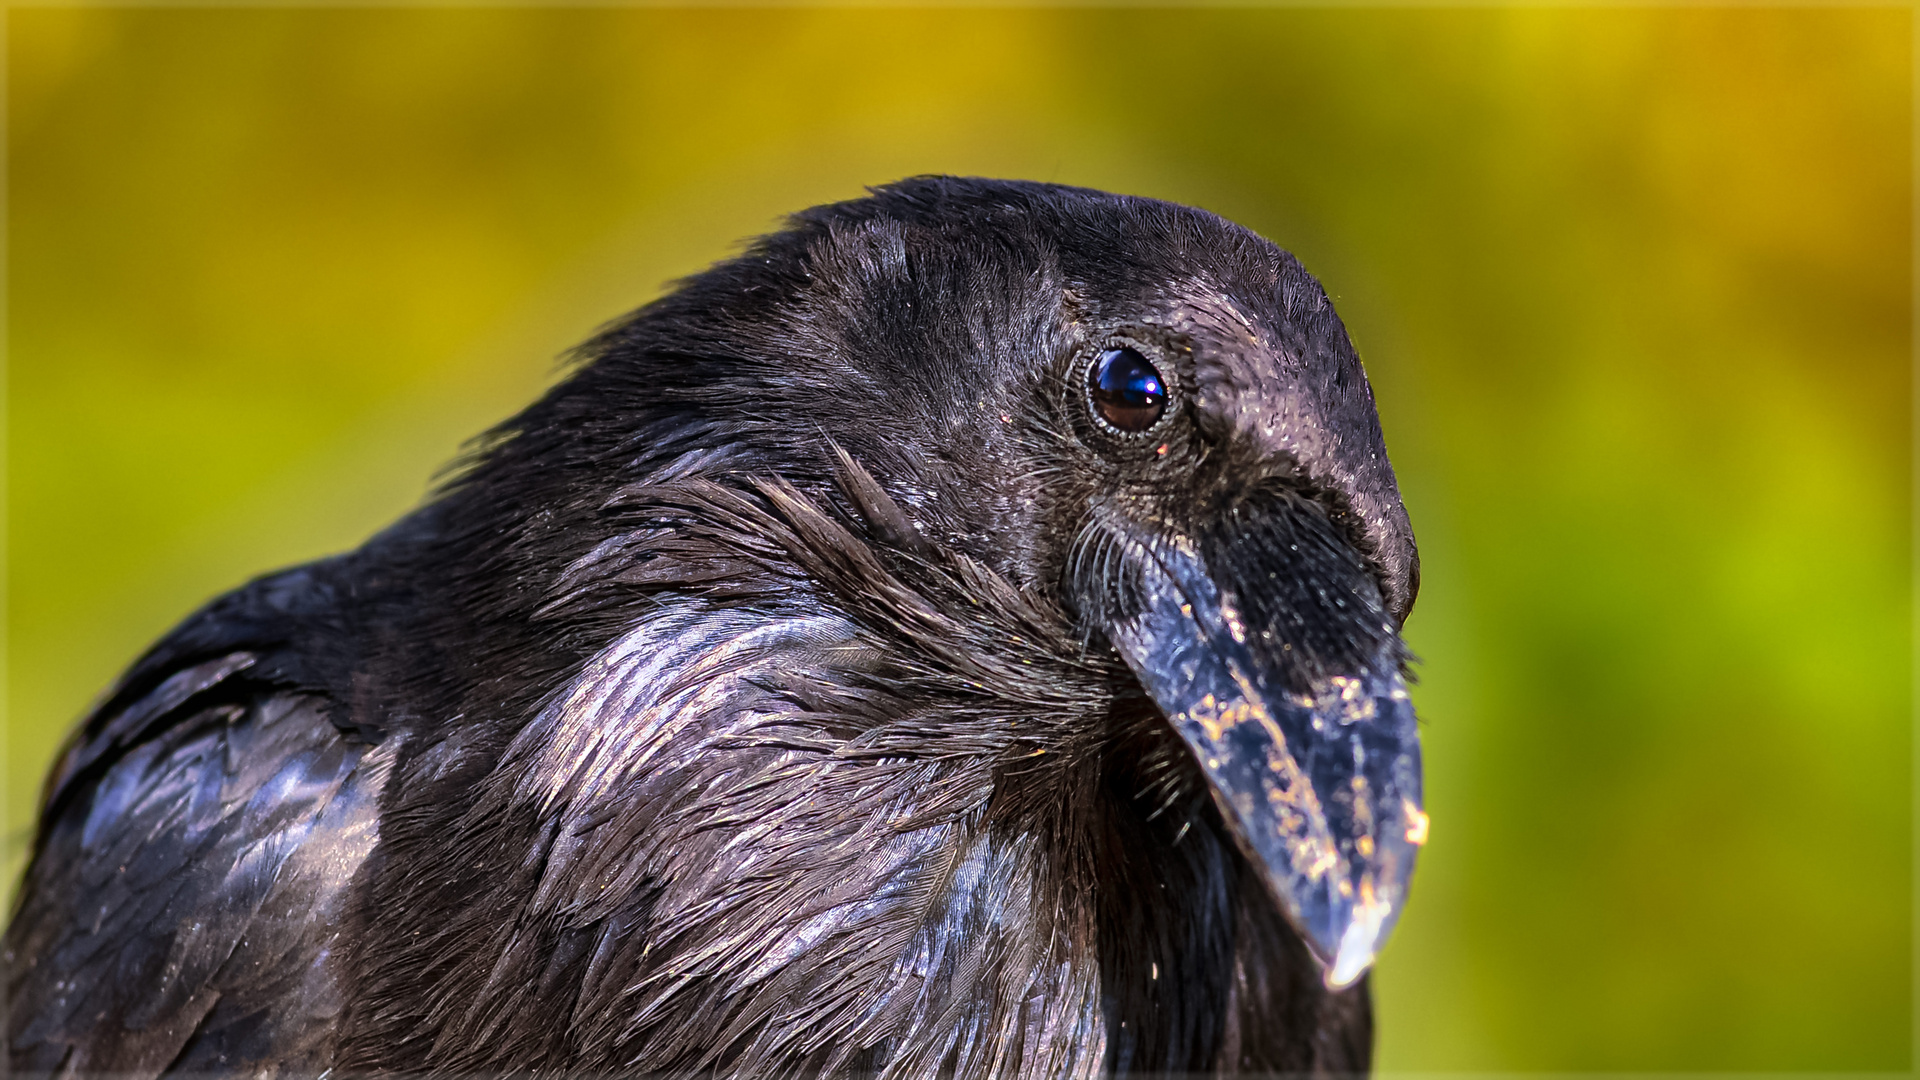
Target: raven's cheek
x=1321 y=790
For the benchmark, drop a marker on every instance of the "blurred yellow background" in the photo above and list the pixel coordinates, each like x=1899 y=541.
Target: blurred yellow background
x=1633 y=287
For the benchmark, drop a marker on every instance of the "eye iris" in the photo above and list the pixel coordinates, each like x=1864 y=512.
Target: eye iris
x=1127 y=392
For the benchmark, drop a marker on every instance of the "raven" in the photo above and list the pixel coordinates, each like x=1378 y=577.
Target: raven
x=958 y=636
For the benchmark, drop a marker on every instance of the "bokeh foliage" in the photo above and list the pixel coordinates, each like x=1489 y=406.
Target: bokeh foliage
x=1633 y=286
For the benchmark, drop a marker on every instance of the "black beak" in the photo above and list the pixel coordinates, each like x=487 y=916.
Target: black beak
x=1262 y=637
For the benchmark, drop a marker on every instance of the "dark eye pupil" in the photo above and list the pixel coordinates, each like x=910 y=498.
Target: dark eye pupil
x=1127 y=392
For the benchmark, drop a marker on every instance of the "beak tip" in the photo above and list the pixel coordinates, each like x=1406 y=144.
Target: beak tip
x=1363 y=931
x=1354 y=956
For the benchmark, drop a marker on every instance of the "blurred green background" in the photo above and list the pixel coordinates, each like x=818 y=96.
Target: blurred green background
x=1633 y=287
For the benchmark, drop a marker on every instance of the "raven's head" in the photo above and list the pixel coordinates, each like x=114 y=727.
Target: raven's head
x=1145 y=418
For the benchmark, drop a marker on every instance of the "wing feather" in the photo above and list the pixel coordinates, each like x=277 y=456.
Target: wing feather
x=184 y=901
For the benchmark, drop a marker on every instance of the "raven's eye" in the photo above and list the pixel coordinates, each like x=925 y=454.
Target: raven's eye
x=1127 y=392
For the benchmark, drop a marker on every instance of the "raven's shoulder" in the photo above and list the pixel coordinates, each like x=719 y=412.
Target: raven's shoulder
x=229 y=649
x=317 y=629
x=197 y=840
